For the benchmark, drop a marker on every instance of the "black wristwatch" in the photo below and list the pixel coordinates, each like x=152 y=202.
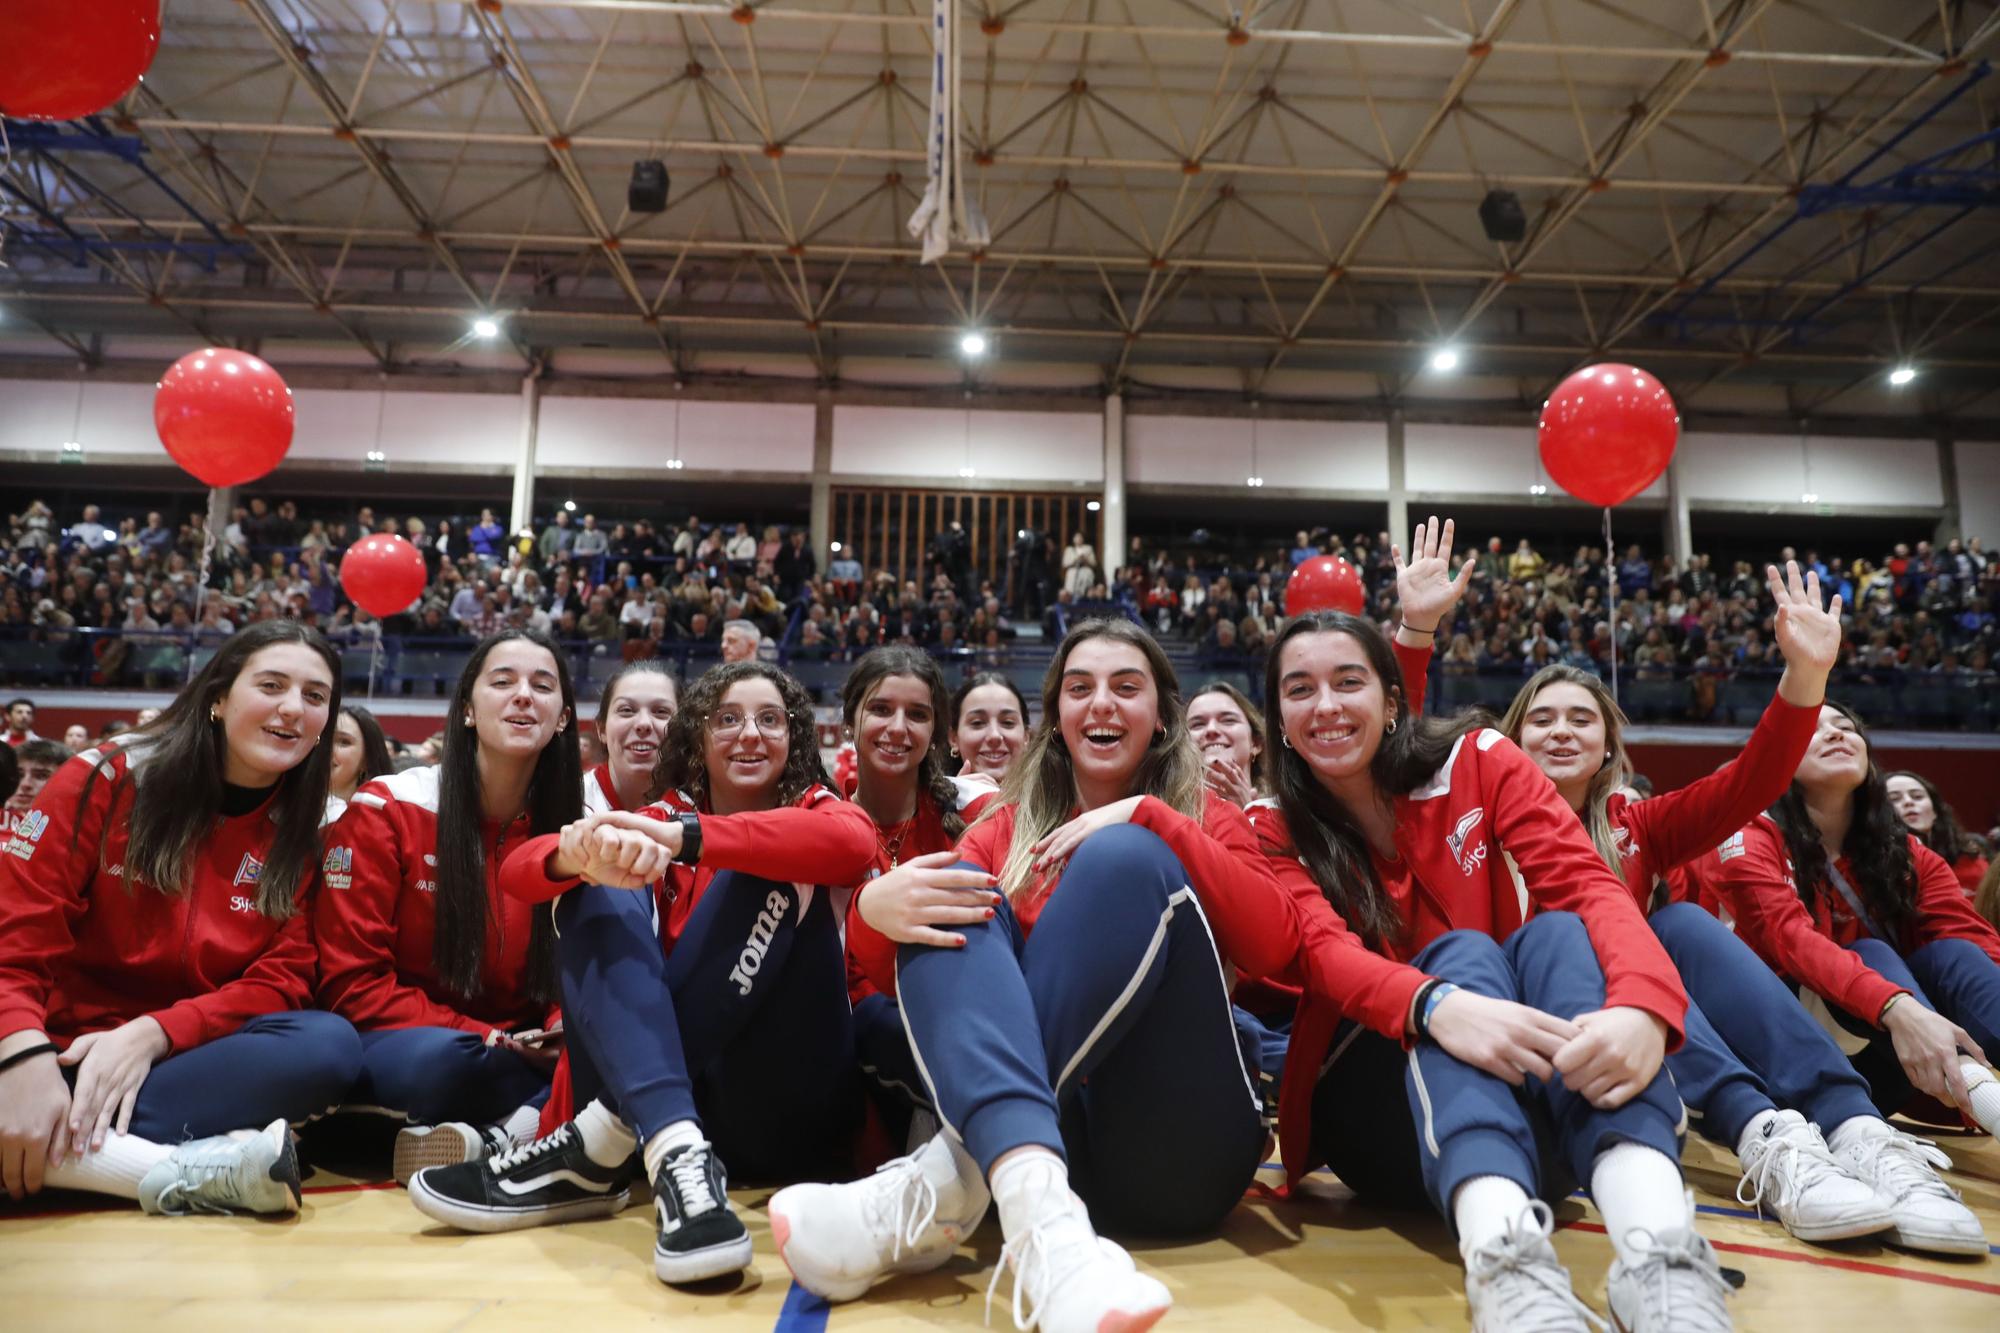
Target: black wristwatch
x=690 y=840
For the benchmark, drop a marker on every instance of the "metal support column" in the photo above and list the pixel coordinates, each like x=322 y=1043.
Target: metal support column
x=1113 y=554
x=821 y=514
x=1951 y=519
x=1678 y=535
x=521 y=513
x=1399 y=498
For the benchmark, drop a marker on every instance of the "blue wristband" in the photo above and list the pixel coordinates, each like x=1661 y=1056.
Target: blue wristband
x=1438 y=992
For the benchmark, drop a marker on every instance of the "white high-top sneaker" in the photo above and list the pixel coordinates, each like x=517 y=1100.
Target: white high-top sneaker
x=1928 y=1214
x=1516 y=1284
x=909 y=1217
x=1067 y=1278
x=248 y=1173
x=1789 y=1172
x=1676 y=1287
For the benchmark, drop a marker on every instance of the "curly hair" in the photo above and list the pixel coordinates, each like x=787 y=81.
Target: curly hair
x=1877 y=846
x=886 y=663
x=683 y=764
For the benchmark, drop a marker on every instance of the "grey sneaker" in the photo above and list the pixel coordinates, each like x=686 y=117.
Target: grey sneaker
x=1677 y=1287
x=1928 y=1214
x=252 y=1173
x=1516 y=1284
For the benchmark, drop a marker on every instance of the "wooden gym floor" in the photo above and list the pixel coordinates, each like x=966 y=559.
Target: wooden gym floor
x=360 y=1258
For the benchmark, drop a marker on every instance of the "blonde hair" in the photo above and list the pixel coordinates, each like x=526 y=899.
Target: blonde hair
x=1616 y=770
x=1986 y=901
x=1041 y=786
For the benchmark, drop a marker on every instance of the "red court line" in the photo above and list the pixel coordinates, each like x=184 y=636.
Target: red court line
x=1827 y=1261
x=352 y=1187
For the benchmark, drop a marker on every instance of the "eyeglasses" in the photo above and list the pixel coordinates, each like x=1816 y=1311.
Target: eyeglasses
x=728 y=724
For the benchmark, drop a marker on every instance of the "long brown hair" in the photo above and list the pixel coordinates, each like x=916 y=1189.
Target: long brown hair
x=1325 y=837
x=1944 y=836
x=1041 y=786
x=1617 y=768
x=1877 y=846
x=879 y=664
x=177 y=791
x=1254 y=716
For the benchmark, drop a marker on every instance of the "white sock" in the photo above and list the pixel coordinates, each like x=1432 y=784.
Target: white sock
x=1030 y=1185
x=607 y=1140
x=673 y=1136
x=1855 y=1128
x=521 y=1123
x=115 y=1169
x=1483 y=1208
x=1755 y=1130
x=960 y=1185
x=1636 y=1187
x=1985 y=1090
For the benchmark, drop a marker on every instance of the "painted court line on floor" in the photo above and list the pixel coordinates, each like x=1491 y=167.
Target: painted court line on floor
x=1827 y=1261
x=803 y=1312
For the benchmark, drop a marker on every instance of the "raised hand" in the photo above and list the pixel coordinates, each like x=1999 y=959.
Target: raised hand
x=1425 y=588
x=1807 y=635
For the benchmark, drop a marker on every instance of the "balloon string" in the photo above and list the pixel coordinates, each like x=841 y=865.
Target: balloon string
x=201 y=578
x=1611 y=598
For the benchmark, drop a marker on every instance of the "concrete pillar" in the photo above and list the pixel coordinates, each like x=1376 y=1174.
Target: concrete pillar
x=1951 y=519
x=1113 y=553
x=820 y=523
x=521 y=512
x=1399 y=498
x=1678 y=534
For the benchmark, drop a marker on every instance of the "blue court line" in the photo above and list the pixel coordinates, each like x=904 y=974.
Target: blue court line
x=803 y=1312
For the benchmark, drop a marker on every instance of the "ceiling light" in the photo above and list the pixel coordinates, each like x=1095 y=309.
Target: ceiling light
x=973 y=344
x=834 y=547
x=1809 y=498
x=485 y=328
x=1093 y=506
x=965 y=472
x=1253 y=481
x=1538 y=489
x=569 y=506
x=675 y=464
x=1444 y=358
x=1902 y=375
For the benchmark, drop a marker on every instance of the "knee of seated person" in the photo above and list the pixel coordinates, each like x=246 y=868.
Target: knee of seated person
x=1561 y=932
x=1951 y=952
x=1469 y=958
x=336 y=1050
x=1130 y=852
x=1681 y=917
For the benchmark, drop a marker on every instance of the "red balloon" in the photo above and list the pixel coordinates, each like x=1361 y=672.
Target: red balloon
x=1608 y=432
x=383 y=574
x=1324 y=583
x=58 y=62
x=225 y=416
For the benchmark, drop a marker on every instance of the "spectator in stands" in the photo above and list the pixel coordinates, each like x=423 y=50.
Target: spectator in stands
x=741 y=548
x=76 y=737
x=487 y=536
x=21 y=722
x=1302 y=548
x=591 y=541
x=740 y=641
x=557 y=538
x=1526 y=564
x=597 y=623
x=794 y=565
x=1079 y=563
x=91 y=534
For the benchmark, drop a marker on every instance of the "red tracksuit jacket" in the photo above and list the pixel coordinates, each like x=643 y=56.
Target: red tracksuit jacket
x=1479 y=843
x=1254 y=926
x=870 y=953
x=79 y=953
x=377 y=917
x=1751 y=874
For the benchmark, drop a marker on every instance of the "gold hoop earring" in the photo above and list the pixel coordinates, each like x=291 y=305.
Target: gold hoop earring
x=214 y=713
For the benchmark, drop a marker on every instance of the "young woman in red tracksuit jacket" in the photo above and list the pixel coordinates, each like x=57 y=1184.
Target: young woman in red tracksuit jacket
x=1838 y=897
x=1081 y=1038
x=639 y=701
x=714 y=1005
x=1449 y=1035
x=154 y=952
x=419 y=948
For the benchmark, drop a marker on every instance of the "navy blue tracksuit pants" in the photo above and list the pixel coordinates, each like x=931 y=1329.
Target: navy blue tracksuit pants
x=745 y=1028
x=433 y=1075
x=1452 y=1121
x=292 y=1065
x=1106 y=1037
x=1750 y=1046
x=1951 y=977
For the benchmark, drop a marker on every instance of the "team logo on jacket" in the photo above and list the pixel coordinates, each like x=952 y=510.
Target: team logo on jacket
x=1468 y=858
x=26 y=834
x=339 y=867
x=758 y=942
x=1621 y=838
x=1731 y=848
x=248 y=870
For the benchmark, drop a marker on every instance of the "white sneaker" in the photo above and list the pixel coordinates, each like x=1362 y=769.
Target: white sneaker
x=1677 y=1287
x=1068 y=1279
x=1789 y=1172
x=909 y=1217
x=1928 y=1214
x=227 y=1174
x=1515 y=1283
x=419 y=1146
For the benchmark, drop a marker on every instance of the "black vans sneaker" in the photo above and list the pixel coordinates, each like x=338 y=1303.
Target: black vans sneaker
x=551 y=1179
x=700 y=1236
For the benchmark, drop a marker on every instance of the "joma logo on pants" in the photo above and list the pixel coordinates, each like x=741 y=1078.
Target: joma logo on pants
x=759 y=942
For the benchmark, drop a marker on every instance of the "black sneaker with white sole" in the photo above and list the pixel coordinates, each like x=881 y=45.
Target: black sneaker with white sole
x=699 y=1235
x=549 y=1180
x=448 y=1144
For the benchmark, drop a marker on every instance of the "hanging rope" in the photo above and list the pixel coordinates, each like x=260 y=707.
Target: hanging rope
x=1611 y=598
x=946 y=213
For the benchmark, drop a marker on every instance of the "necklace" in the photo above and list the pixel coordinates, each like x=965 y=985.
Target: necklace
x=892 y=848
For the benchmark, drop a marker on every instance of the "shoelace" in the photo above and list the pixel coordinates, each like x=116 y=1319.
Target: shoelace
x=1509 y=1255
x=1705 y=1296
x=1031 y=1252
x=1902 y=1165
x=559 y=1137
x=1801 y=1164
x=207 y=1182
x=908 y=1209
x=690 y=1176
